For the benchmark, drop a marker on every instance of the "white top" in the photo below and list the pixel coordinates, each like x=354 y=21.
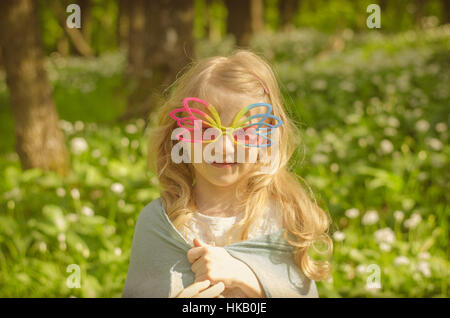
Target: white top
x=212 y=230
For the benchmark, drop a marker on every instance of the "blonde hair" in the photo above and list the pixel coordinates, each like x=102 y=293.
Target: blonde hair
x=243 y=72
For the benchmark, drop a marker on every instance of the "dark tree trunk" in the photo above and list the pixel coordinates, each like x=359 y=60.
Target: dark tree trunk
x=39 y=140
x=446 y=11
x=419 y=11
x=123 y=22
x=136 y=36
x=86 y=18
x=287 y=10
x=168 y=47
x=244 y=18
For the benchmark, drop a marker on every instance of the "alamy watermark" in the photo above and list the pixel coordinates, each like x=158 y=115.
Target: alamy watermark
x=374 y=19
x=74 y=279
x=74 y=20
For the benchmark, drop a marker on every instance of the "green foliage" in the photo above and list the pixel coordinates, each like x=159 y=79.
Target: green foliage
x=374 y=116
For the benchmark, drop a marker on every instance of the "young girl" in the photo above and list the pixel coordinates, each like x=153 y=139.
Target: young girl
x=223 y=227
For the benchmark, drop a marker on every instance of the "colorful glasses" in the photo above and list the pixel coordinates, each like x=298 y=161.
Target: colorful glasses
x=206 y=128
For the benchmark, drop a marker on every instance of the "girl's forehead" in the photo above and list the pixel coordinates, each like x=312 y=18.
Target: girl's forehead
x=229 y=106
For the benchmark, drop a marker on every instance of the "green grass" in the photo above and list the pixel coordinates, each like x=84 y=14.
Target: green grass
x=374 y=121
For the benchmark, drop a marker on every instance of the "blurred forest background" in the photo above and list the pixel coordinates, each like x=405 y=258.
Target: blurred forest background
x=76 y=105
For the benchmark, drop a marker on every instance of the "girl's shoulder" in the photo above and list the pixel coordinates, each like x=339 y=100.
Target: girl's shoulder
x=152 y=213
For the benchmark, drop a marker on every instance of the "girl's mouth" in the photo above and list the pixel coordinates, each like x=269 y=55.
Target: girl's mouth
x=224 y=164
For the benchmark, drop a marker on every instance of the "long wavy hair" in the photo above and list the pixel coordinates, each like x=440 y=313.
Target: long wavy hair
x=243 y=72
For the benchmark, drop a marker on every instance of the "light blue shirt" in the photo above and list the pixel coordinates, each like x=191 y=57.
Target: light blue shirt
x=159 y=250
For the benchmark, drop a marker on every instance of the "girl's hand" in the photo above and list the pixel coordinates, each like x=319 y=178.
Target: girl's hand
x=201 y=290
x=217 y=265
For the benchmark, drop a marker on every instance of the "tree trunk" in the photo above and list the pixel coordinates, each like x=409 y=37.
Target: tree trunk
x=168 y=47
x=446 y=11
x=123 y=22
x=63 y=45
x=86 y=19
x=419 y=11
x=287 y=10
x=136 y=36
x=244 y=18
x=39 y=140
x=257 y=15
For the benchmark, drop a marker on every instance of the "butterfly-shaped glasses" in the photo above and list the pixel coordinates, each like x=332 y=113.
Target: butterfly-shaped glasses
x=243 y=130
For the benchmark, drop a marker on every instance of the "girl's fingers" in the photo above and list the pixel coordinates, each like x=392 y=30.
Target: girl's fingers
x=194 y=289
x=195 y=253
x=212 y=291
x=198 y=268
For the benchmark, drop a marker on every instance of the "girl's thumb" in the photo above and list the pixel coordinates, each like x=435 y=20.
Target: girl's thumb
x=198 y=243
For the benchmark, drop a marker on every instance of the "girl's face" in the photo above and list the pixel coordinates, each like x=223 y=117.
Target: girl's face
x=230 y=172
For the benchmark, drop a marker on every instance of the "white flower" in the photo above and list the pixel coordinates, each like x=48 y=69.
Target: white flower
x=413 y=221
x=422 y=125
x=79 y=125
x=399 y=215
x=125 y=141
x=61 y=237
x=361 y=268
x=334 y=167
x=117 y=251
x=424 y=255
x=11 y=204
x=386 y=146
x=424 y=267
x=42 y=247
x=393 y=122
x=66 y=126
x=60 y=192
x=422 y=155
x=385 y=247
x=135 y=144
x=131 y=129
x=441 y=127
x=75 y=193
x=72 y=217
x=385 y=235
x=401 y=260
x=434 y=144
x=60 y=223
x=87 y=211
x=117 y=187
x=96 y=153
x=352 y=213
x=86 y=253
x=140 y=123
x=338 y=236
x=370 y=217
x=78 y=145
x=319 y=84
x=319 y=158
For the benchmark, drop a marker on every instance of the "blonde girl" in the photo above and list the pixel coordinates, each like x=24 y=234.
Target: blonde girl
x=214 y=214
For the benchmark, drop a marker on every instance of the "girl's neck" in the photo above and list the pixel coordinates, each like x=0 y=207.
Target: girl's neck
x=214 y=200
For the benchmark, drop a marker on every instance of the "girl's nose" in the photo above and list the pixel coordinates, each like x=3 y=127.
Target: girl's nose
x=227 y=145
